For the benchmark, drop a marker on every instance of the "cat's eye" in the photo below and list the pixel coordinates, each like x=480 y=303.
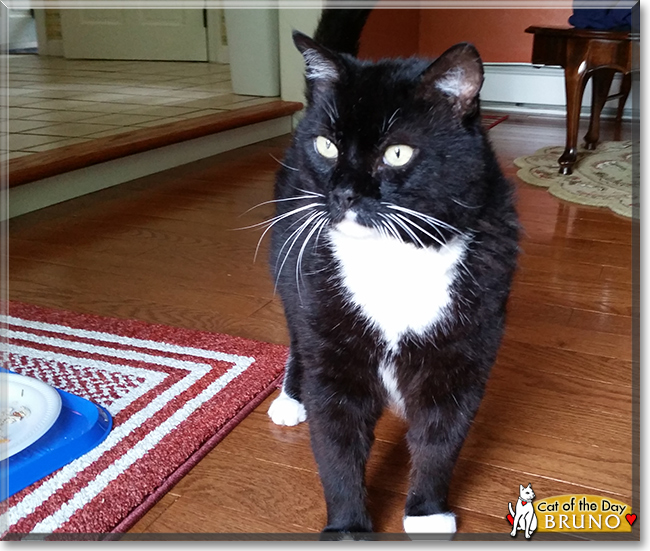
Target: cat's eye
x=326 y=148
x=398 y=155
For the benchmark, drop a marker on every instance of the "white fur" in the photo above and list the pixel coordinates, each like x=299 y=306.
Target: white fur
x=286 y=411
x=443 y=523
x=398 y=287
x=388 y=379
x=350 y=228
x=454 y=83
x=318 y=67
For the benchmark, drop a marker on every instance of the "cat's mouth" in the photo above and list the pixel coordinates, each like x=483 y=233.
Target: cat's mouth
x=352 y=226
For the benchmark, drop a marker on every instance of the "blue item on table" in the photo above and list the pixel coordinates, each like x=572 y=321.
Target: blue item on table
x=603 y=19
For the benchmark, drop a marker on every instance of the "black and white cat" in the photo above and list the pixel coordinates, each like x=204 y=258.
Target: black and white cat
x=393 y=250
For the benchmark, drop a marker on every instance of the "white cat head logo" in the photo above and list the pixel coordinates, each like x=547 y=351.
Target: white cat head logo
x=523 y=517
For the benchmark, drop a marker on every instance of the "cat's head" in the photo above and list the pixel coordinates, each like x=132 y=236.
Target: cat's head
x=526 y=493
x=395 y=145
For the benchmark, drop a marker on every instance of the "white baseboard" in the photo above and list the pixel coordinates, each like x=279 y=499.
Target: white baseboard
x=527 y=88
x=548 y=110
x=56 y=189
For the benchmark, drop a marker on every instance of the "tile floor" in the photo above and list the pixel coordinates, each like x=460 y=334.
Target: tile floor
x=54 y=102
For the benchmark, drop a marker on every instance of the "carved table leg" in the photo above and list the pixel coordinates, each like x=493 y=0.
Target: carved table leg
x=575 y=78
x=602 y=82
x=626 y=85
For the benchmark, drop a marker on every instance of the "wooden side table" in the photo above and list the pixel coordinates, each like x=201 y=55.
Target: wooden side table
x=583 y=54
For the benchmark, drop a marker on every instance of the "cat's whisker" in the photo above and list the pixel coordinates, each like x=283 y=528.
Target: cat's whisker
x=379 y=227
x=395 y=231
x=296 y=222
x=408 y=230
x=383 y=231
x=424 y=217
x=465 y=205
x=332 y=112
x=277 y=201
x=284 y=164
x=289 y=228
x=276 y=219
x=392 y=120
x=389 y=227
x=434 y=226
x=297 y=234
x=469 y=273
x=299 y=276
x=313 y=193
x=325 y=221
x=310 y=216
x=434 y=222
x=291 y=241
x=442 y=244
x=420 y=228
x=455 y=400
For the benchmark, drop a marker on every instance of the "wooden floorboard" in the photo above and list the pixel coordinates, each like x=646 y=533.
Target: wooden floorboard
x=166 y=249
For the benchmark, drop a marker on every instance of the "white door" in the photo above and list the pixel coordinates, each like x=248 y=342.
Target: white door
x=21 y=30
x=171 y=35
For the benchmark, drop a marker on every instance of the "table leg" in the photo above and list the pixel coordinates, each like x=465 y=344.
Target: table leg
x=602 y=82
x=626 y=85
x=575 y=78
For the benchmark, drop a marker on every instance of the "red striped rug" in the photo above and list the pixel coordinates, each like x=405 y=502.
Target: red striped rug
x=490 y=121
x=173 y=394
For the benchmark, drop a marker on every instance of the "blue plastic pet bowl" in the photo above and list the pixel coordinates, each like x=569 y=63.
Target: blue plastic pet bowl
x=80 y=427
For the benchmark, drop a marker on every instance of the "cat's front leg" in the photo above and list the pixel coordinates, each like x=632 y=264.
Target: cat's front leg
x=287 y=408
x=435 y=437
x=342 y=432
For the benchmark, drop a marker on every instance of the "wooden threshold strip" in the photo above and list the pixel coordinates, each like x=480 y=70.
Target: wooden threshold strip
x=65 y=159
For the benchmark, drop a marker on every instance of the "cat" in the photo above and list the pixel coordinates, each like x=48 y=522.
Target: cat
x=524 y=517
x=393 y=249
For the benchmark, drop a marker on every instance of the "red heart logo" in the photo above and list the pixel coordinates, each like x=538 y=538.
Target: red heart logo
x=631 y=519
x=512 y=520
x=524 y=502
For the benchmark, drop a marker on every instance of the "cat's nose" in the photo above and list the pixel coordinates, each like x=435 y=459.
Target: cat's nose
x=343 y=198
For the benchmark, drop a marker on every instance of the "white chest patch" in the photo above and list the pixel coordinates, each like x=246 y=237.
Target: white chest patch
x=399 y=288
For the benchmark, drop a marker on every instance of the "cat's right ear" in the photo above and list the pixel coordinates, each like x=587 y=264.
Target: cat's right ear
x=322 y=65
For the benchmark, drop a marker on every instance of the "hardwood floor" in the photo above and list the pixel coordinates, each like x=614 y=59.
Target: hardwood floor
x=558 y=408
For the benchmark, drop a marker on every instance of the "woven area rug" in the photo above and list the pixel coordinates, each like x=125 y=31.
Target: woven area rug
x=601 y=178
x=173 y=394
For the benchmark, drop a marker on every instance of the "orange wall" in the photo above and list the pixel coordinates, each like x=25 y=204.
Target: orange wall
x=390 y=33
x=498 y=34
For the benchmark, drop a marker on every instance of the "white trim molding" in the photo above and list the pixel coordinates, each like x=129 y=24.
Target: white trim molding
x=528 y=88
x=62 y=187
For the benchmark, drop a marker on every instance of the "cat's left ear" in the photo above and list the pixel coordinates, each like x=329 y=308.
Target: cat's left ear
x=458 y=74
x=322 y=65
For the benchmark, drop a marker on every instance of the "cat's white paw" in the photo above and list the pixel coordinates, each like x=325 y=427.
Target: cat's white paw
x=286 y=411
x=443 y=524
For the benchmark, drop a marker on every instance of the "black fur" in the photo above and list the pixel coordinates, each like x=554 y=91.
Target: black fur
x=340 y=30
x=454 y=176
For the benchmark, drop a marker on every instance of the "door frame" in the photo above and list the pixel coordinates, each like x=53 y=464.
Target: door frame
x=46 y=46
